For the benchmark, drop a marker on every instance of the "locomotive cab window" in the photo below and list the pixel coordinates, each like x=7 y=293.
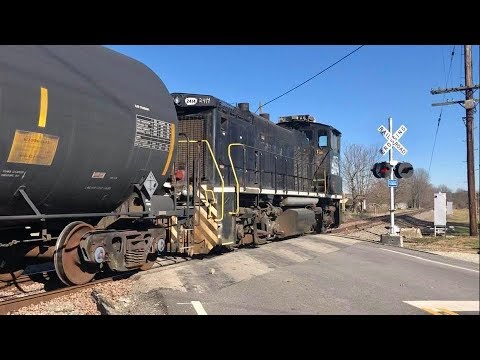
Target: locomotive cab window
x=335 y=141
x=308 y=135
x=322 y=138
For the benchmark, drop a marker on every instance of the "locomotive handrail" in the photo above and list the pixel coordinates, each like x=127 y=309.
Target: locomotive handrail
x=188 y=175
x=237 y=185
x=218 y=170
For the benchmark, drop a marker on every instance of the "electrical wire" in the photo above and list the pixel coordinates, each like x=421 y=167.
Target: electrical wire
x=441 y=108
x=311 y=78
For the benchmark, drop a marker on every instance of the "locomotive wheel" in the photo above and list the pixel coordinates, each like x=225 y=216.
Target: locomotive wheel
x=67 y=257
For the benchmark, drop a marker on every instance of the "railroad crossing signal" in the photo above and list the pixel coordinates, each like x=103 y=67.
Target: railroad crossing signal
x=393 y=140
x=402 y=170
x=382 y=170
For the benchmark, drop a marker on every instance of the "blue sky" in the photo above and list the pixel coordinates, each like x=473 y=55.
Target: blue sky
x=356 y=96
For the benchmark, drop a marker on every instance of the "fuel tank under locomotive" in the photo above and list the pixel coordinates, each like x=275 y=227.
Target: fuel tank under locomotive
x=79 y=125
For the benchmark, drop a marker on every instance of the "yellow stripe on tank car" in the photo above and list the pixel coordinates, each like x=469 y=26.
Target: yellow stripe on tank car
x=42 y=116
x=170 y=151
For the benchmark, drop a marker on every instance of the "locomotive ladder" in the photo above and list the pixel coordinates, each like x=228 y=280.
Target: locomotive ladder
x=206 y=217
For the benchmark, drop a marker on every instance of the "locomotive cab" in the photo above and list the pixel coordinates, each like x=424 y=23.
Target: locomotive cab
x=326 y=141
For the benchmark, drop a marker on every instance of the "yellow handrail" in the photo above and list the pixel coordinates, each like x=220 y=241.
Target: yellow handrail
x=218 y=170
x=237 y=185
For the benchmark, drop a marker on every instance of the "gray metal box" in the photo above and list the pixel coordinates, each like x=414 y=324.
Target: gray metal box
x=449 y=208
x=440 y=209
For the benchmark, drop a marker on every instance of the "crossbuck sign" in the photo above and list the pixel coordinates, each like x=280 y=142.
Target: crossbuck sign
x=392 y=140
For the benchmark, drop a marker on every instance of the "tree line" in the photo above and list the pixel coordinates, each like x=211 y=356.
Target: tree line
x=362 y=187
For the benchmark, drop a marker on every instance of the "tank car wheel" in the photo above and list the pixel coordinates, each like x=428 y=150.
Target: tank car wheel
x=159 y=246
x=67 y=258
x=150 y=261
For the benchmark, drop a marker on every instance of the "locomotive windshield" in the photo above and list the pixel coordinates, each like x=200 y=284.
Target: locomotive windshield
x=322 y=138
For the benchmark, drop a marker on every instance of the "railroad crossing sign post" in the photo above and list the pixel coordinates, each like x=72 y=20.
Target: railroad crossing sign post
x=392 y=142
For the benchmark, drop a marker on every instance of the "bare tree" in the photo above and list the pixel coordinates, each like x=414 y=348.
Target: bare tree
x=378 y=195
x=356 y=164
x=460 y=199
x=443 y=188
x=419 y=189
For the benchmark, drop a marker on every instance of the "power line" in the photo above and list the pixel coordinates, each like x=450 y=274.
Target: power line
x=314 y=76
x=441 y=109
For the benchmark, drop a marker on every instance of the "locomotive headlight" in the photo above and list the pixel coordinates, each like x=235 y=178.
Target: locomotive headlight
x=335 y=167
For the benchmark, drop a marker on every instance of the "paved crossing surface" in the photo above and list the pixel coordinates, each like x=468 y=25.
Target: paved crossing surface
x=315 y=274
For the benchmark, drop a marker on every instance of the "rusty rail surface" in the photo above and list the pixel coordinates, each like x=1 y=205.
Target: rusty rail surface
x=373 y=220
x=17 y=303
x=14 y=304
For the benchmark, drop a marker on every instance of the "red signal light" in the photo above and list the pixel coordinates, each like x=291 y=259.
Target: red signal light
x=179 y=175
x=381 y=170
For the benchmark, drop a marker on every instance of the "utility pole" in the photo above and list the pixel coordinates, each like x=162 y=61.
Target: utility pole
x=469 y=105
x=469 y=108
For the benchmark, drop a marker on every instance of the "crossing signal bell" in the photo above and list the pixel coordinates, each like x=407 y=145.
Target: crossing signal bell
x=383 y=170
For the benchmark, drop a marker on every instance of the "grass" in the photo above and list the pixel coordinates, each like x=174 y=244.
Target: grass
x=461 y=231
x=457 y=240
x=350 y=216
x=459 y=216
x=468 y=244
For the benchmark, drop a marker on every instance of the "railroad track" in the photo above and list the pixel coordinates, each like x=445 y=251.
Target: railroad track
x=13 y=303
x=372 y=221
x=22 y=299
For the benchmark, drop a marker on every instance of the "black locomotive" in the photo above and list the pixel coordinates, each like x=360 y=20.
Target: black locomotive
x=265 y=180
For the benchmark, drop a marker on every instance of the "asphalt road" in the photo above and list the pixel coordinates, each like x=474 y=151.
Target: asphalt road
x=317 y=274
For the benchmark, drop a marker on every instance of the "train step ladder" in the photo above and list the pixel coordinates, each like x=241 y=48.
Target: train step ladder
x=206 y=228
x=320 y=184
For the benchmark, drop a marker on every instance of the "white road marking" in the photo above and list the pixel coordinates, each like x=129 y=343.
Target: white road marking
x=433 y=261
x=438 y=305
x=197 y=305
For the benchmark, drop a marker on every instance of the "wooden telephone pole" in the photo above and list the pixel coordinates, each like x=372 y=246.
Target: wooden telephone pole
x=469 y=105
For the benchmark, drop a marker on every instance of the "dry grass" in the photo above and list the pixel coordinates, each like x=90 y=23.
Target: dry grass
x=457 y=241
x=459 y=216
x=468 y=244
